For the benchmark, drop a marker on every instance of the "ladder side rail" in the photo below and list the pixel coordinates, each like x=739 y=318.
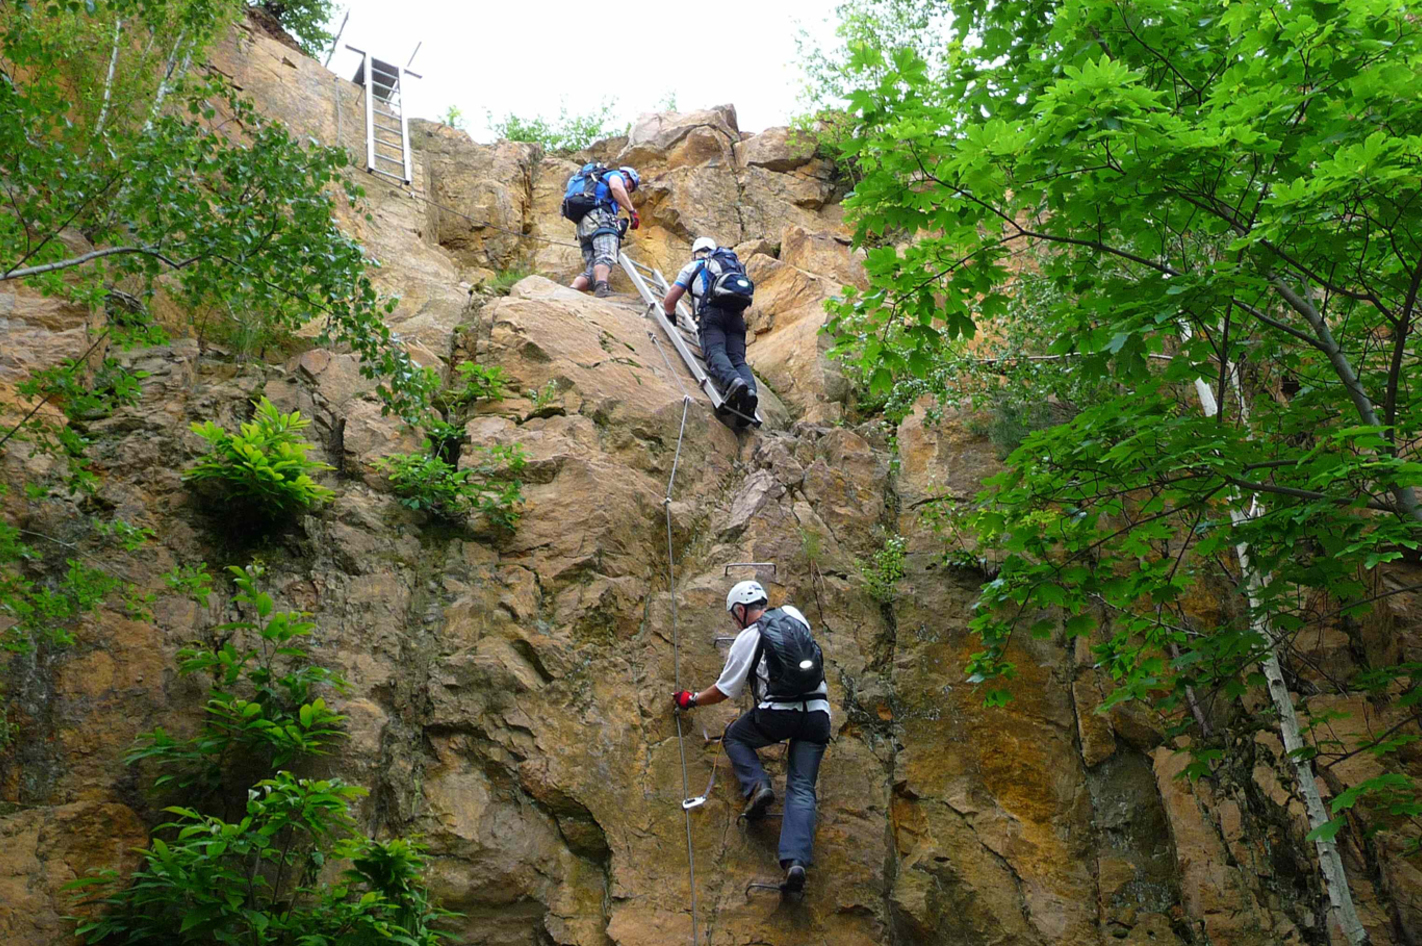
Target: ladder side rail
x=405 y=134
x=369 y=114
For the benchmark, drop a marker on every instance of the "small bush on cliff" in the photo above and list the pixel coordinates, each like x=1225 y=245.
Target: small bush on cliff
x=883 y=571
x=490 y=487
x=263 y=467
x=267 y=879
x=262 y=703
x=480 y=383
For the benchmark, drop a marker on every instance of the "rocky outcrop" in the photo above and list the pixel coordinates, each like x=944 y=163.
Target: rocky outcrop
x=509 y=691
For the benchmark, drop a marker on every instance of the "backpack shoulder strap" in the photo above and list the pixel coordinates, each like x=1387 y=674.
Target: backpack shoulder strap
x=753 y=674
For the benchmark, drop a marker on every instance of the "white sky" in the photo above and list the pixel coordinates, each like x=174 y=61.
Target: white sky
x=530 y=56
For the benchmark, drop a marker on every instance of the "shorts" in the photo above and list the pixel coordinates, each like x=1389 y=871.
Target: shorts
x=599 y=249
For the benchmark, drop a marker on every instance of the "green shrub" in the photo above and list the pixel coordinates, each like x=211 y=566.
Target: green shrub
x=506 y=279
x=250 y=333
x=262 y=703
x=263 y=467
x=304 y=19
x=490 y=487
x=266 y=879
x=882 y=573
x=259 y=880
x=453 y=117
x=567 y=132
x=546 y=400
x=46 y=610
x=480 y=383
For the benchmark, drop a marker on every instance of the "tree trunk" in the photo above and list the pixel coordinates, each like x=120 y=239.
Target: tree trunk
x=109 y=81
x=1335 y=878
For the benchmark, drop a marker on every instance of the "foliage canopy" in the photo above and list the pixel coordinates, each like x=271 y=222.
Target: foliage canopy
x=1218 y=208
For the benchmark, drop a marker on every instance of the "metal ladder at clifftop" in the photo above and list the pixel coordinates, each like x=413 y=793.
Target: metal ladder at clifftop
x=686 y=344
x=387 y=133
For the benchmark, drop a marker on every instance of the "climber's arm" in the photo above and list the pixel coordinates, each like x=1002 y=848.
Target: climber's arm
x=674 y=295
x=619 y=194
x=710 y=696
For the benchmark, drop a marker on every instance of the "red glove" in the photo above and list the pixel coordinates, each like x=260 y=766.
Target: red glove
x=684 y=700
x=636 y=220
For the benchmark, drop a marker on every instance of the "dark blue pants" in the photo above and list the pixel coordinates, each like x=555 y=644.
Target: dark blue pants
x=723 y=345
x=808 y=734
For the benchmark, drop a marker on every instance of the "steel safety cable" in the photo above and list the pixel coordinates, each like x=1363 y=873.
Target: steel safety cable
x=676 y=663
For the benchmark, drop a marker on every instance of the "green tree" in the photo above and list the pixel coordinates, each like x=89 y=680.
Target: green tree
x=123 y=179
x=1225 y=199
x=177 y=185
x=304 y=19
x=570 y=131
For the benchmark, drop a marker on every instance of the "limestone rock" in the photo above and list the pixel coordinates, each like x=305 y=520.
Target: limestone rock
x=777 y=149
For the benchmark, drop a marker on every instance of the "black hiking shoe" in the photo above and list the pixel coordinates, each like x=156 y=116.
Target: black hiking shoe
x=602 y=290
x=795 y=877
x=760 y=800
x=733 y=394
x=749 y=402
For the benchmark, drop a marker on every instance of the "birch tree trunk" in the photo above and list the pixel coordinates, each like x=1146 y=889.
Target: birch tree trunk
x=109 y=81
x=1335 y=878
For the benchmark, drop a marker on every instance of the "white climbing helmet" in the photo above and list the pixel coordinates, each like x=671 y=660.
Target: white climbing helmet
x=745 y=592
x=707 y=244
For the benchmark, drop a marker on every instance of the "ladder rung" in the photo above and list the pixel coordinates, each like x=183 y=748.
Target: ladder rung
x=393 y=144
x=393 y=177
x=381 y=157
x=386 y=114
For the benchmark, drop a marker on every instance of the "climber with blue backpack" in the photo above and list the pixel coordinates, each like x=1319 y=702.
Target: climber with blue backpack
x=776 y=653
x=591 y=200
x=720 y=293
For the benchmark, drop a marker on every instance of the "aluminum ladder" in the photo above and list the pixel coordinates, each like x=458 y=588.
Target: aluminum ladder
x=683 y=343
x=387 y=132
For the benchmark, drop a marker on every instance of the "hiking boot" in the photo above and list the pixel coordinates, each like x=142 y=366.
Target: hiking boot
x=795 y=877
x=760 y=800
x=749 y=402
x=602 y=290
x=734 y=392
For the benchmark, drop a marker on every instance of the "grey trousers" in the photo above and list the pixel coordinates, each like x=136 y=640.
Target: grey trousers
x=809 y=735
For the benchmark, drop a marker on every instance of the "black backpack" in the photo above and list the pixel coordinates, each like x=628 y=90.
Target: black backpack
x=792 y=659
x=580 y=195
x=731 y=290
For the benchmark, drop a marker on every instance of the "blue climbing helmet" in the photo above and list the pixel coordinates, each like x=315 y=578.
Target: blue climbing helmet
x=631 y=175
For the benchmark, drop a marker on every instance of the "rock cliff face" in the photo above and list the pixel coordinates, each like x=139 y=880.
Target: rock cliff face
x=510 y=695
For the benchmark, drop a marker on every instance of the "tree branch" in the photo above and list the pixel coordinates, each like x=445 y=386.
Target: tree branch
x=97 y=254
x=1399 y=349
x=1405 y=497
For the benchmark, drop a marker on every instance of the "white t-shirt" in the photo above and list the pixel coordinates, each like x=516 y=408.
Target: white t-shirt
x=698 y=286
x=737 y=670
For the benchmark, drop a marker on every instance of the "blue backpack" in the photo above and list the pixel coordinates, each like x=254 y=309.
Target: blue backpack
x=580 y=196
x=731 y=290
